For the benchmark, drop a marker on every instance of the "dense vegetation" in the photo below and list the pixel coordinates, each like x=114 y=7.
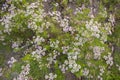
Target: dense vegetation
x=59 y=40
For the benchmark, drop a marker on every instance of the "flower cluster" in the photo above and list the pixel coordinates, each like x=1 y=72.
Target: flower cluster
x=109 y=59
x=50 y=76
x=52 y=57
x=54 y=44
x=36 y=16
x=97 y=50
x=6 y=22
x=63 y=22
x=72 y=57
x=94 y=27
x=85 y=71
x=11 y=61
x=24 y=73
x=64 y=67
x=65 y=49
x=102 y=70
x=71 y=62
x=79 y=40
x=112 y=19
x=100 y=78
x=6 y=19
x=38 y=53
x=15 y=45
x=4 y=7
x=79 y=9
x=38 y=40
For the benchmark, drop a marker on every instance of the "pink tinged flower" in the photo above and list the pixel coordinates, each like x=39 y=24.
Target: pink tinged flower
x=65 y=29
x=15 y=45
x=11 y=61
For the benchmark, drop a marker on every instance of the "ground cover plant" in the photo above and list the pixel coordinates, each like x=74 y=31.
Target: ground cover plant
x=59 y=40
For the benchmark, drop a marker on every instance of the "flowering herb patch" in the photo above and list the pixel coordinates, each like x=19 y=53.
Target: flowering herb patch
x=48 y=39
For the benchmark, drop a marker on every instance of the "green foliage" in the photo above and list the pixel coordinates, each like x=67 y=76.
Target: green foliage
x=36 y=72
x=116 y=36
x=2 y=59
x=17 y=67
x=60 y=75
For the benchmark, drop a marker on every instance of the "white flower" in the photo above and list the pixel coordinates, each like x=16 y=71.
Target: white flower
x=15 y=45
x=56 y=4
x=23 y=74
x=109 y=59
x=85 y=71
x=119 y=68
x=45 y=0
x=46 y=76
x=39 y=39
x=74 y=57
x=97 y=51
x=50 y=76
x=11 y=61
x=38 y=53
x=66 y=62
x=112 y=19
x=54 y=44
